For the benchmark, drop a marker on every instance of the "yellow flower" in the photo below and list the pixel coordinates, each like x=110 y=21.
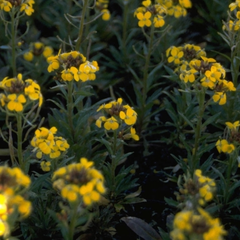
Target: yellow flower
x=208 y=83
x=144 y=19
x=28 y=56
x=38 y=45
x=233 y=126
x=3 y=204
x=5 y=6
x=185 y=3
x=45 y=166
x=224 y=146
x=2 y=228
x=67 y=75
x=45 y=146
x=70 y=192
x=220 y=97
x=111 y=124
x=86 y=71
x=32 y=90
x=234 y=5
x=16 y=102
x=132 y=135
x=27 y=9
x=176 y=55
x=188 y=76
x=106 y=14
x=146 y=3
x=24 y=208
x=158 y=21
x=130 y=117
x=3 y=99
x=61 y=143
x=47 y=52
x=53 y=63
x=100 y=120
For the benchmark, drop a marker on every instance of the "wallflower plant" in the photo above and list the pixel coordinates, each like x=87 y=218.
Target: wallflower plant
x=18 y=102
x=81 y=185
x=13 y=204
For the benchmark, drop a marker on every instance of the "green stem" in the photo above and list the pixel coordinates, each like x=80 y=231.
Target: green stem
x=198 y=130
x=72 y=225
x=232 y=159
x=69 y=7
x=80 y=34
x=19 y=142
x=87 y=30
x=235 y=63
x=145 y=79
x=13 y=43
x=124 y=36
x=146 y=67
x=70 y=108
x=113 y=163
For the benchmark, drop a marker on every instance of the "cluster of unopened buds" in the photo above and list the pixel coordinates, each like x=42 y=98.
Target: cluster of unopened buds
x=45 y=142
x=38 y=49
x=120 y=117
x=79 y=182
x=102 y=6
x=193 y=66
x=12 y=186
x=200 y=188
x=18 y=93
x=72 y=66
x=232 y=139
x=24 y=6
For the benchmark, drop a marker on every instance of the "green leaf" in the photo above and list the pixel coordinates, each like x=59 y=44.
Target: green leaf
x=236 y=185
x=134 y=194
x=141 y=228
x=107 y=145
x=186 y=119
x=171 y=202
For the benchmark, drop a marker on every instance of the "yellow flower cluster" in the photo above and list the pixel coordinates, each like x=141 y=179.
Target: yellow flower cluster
x=119 y=115
x=73 y=66
x=44 y=142
x=102 y=5
x=25 y=5
x=38 y=49
x=176 y=8
x=234 y=23
x=190 y=225
x=232 y=136
x=150 y=14
x=206 y=187
x=79 y=182
x=193 y=66
x=18 y=93
x=200 y=189
x=13 y=183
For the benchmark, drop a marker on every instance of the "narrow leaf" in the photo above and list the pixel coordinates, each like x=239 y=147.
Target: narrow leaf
x=141 y=228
